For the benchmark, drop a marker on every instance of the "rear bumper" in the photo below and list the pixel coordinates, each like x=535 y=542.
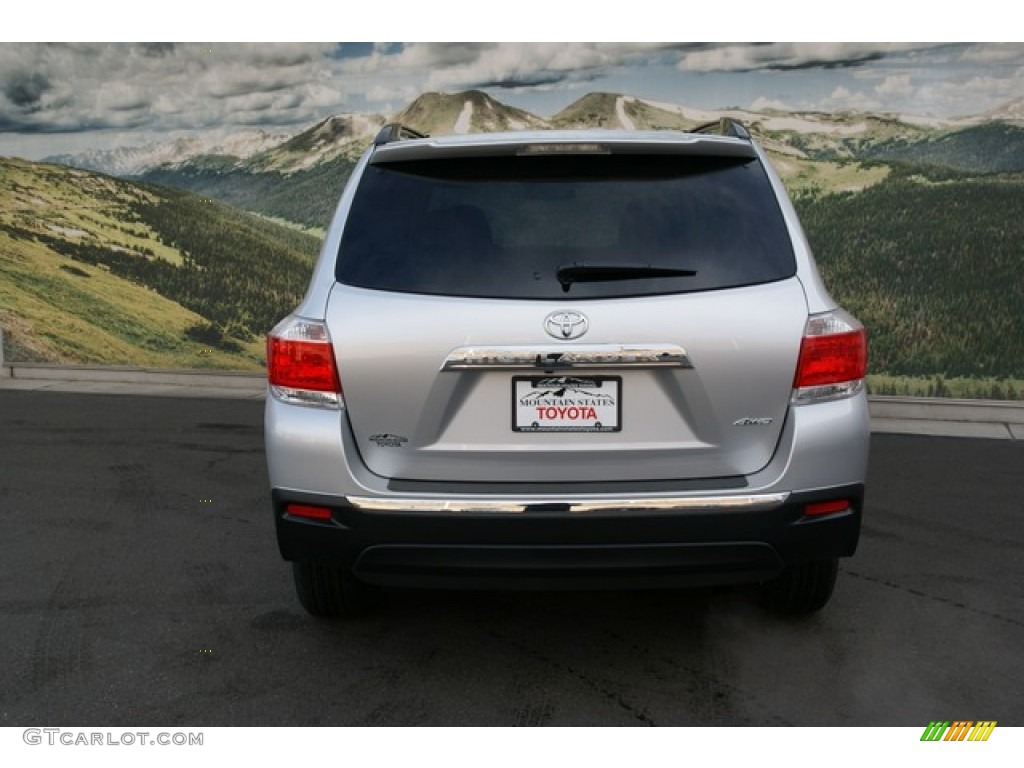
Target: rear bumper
x=553 y=544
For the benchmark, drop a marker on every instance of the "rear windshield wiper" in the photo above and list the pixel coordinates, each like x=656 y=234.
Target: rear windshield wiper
x=604 y=273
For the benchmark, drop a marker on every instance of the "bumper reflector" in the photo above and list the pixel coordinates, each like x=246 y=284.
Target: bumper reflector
x=826 y=507
x=306 y=510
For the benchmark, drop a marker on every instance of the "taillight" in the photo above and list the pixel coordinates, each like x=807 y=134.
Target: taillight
x=833 y=359
x=300 y=364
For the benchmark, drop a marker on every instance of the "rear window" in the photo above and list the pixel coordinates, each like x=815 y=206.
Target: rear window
x=564 y=227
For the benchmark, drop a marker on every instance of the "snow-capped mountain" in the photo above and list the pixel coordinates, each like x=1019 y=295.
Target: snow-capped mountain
x=339 y=135
x=129 y=161
x=347 y=135
x=245 y=144
x=466 y=112
x=1010 y=112
x=136 y=160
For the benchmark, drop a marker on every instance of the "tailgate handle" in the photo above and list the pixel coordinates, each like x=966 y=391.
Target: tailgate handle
x=500 y=358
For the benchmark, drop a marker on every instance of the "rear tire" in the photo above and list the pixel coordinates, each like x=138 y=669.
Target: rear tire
x=327 y=591
x=801 y=589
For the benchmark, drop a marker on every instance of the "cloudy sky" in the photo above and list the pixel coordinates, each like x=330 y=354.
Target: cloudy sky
x=66 y=97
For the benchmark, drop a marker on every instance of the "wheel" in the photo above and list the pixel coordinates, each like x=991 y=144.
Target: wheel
x=327 y=591
x=801 y=589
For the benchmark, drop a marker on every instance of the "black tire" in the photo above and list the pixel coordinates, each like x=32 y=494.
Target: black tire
x=801 y=589
x=327 y=592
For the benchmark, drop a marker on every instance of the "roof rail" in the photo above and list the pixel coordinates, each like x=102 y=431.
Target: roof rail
x=725 y=126
x=396 y=132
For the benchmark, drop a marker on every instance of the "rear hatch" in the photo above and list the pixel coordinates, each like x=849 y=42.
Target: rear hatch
x=573 y=312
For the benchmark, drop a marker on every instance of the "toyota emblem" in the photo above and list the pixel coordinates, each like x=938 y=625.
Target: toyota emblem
x=566 y=324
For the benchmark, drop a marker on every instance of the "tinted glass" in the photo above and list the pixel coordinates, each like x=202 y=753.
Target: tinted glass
x=504 y=227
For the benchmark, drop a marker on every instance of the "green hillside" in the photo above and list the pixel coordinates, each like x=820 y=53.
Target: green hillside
x=988 y=148
x=932 y=268
x=307 y=197
x=95 y=269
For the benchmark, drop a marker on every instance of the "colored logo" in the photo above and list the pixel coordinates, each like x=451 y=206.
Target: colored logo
x=959 y=730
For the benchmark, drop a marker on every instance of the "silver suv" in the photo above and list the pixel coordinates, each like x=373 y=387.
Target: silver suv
x=566 y=359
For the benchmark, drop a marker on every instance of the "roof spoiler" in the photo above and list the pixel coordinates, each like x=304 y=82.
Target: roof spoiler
x=726 y=126
x=397 y=132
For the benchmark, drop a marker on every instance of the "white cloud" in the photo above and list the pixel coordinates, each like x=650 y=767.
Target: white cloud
x=119 y=96
x=743 y=57
x=389 y=93
x=843 y=99
x=895 y=85
x=763 y=103
x=105 y=86
x=453 y=66
x=947 y=97
x=154 y=88
x=318 y=95
x=994 y=53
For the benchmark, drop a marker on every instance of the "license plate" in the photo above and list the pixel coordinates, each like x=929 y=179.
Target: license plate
x=566 y=403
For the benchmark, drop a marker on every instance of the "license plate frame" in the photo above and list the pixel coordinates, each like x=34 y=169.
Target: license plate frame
x=547 y=403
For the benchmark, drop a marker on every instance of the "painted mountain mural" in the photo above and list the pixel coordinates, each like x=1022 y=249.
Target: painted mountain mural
x=916 y=224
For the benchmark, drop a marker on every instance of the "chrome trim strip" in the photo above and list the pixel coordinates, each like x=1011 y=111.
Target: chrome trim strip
x=750 y=503
x=559 y=357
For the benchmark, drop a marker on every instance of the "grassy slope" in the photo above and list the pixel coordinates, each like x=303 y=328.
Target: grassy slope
x=56 y=308
x=932 y=268
x=803 y=177
x=307 y=197
x=54 y=314
x=988 y=148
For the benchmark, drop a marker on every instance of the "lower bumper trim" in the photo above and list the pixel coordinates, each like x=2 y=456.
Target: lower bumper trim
x=761 y=502
x=567 y=567
x=715 y=540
